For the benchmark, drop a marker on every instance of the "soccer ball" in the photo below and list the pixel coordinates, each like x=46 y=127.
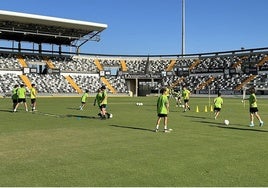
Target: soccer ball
x=226 y=122
x=111 y=115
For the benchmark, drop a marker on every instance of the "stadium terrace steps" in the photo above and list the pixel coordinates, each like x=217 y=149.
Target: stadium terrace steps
x=98 y=64
x=262 y=61
x=22 y=61
x=49 y=63
x=196 y=62
x=123 y=65
x=26 y=81
x=171 y=65
x=240 y=86
x=238 y=63
x=73 y=84
x=177 y=82
x=202 y=85
x=107 y=83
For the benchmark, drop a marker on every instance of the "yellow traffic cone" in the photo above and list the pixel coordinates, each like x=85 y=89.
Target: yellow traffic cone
x=206 y=109
x=197 y=109
x=211 y=108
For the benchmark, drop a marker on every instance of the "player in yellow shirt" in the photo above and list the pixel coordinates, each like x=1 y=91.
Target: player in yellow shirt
x=186 y=97
x=84 y=99
x=253 y=108
x=218 y=102
x=33 y=94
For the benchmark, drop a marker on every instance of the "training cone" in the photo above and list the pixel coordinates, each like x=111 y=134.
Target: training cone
x=206 y=109
x=197 y=109
x=211 y=108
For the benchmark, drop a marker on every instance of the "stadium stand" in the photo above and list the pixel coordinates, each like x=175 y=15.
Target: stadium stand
x=9 y=62
x=85 y=73
x=59 y=72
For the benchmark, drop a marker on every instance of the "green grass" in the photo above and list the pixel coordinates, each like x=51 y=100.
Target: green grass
x=69 y=147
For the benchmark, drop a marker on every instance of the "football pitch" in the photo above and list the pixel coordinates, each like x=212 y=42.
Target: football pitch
x=60 y=145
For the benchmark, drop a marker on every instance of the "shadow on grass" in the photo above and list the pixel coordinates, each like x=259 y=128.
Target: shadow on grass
x=134 y=128
x=10 y=111
x=72 y=108
x=220 y=125
x=242 y=129
x=64 y=116
x=82 y=117
x=197 y=117
x=209 y=122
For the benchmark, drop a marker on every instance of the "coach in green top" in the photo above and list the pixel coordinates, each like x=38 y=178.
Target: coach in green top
x=253 y=108
x=162 y=109
x=218 y=102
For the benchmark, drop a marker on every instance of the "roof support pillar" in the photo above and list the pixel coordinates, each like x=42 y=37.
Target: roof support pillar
x=40 y=48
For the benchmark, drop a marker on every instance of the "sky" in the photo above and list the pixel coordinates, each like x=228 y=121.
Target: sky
x=154 y=27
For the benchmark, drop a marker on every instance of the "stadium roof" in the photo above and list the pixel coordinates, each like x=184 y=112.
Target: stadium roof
x=45 y=29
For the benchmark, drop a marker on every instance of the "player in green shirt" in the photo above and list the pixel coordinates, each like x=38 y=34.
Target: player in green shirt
x=84 y=99
x=218 y=102
x=253 y=108
x=177 y=97
x=14 y=96
x=104 y=103
x=162 y=110
x=186 y=97
x=98 y=100
x=21 y=97
x=102 y=100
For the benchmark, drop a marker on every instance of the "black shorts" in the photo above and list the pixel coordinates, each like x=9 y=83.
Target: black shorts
x=103 y=106
x=186 y=100
x=253 y=110
x=15 y=101
x=162 y=115
x=217 y=109
x=33 y=101
x=21 y=100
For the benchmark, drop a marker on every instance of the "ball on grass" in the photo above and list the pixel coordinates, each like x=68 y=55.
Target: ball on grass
x=226 y=122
